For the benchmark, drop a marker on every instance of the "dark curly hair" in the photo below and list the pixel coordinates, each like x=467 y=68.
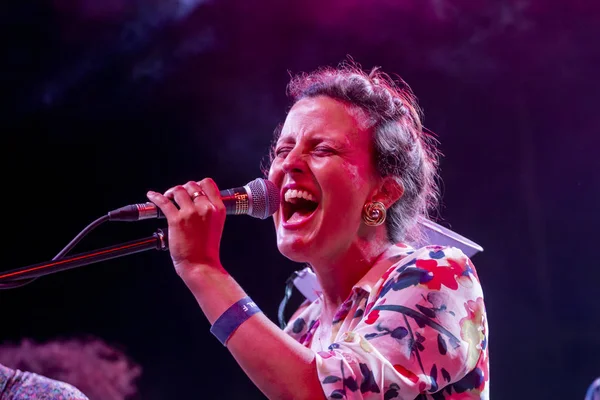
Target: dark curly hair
x=403 y=149
x=100 y=371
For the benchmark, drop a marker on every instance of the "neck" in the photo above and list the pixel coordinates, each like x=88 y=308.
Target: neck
x=337 y=275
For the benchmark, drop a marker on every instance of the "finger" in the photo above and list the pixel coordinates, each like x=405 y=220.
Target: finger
x=182 y=198
x=171 y=192
x=164 y=203
x=195 y=191
x=199 y=198
x=209 y=187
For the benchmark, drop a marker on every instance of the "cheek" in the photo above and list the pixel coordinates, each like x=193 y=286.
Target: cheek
x=354 y=176
x=343 y=176
x=347 y=195
x=357 y=181
x=274 y=172
x=274 y=175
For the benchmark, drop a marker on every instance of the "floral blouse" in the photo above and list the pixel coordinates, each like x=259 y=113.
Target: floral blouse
x=414 y=327
x=22 y=385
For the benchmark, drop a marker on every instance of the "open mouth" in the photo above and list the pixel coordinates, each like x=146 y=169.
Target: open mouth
x=298 y=205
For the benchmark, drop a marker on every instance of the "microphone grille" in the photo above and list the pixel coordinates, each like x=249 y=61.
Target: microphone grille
x=265 y=198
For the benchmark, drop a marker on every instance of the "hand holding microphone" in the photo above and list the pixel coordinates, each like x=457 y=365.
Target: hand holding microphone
x=258 y=198
x=195 y=225
x=196 y=213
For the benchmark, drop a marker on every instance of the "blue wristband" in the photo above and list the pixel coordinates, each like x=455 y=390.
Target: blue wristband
x=231 y=319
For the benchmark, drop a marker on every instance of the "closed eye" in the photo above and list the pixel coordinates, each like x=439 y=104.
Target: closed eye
x=282 y=151
x=324 y=150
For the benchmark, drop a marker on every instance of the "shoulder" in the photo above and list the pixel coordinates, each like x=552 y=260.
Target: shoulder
x=31 y=385
x=434 y=294
x=440 y=254
x=430 y=267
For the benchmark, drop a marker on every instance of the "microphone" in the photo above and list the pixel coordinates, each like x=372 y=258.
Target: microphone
x=258 y=198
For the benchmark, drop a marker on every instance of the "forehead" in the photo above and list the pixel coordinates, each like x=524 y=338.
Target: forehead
x=322 y=116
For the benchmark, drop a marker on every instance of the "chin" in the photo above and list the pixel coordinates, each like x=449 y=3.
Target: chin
x=295 y=248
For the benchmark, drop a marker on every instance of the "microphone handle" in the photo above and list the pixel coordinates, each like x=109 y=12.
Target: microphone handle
x=237 y=201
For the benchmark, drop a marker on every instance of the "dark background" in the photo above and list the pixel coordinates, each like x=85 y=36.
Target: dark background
x=103 y=100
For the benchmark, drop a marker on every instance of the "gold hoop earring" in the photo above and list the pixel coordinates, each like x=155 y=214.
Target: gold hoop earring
x=374 y=213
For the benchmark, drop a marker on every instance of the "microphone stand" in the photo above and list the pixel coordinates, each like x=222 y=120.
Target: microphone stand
x=13 y=278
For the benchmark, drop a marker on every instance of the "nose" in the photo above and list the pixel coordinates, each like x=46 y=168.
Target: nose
x=294 y=161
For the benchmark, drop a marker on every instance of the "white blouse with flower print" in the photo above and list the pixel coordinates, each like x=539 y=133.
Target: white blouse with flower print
x=414 y=327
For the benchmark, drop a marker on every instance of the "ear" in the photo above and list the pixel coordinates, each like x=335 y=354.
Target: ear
x=389 y=192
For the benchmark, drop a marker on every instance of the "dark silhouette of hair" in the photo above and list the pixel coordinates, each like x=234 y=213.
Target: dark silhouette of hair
x=100 y=371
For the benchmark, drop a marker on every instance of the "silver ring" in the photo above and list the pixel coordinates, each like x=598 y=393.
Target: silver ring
x=197 y=194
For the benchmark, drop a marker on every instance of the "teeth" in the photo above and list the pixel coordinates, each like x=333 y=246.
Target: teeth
x=298 y=194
